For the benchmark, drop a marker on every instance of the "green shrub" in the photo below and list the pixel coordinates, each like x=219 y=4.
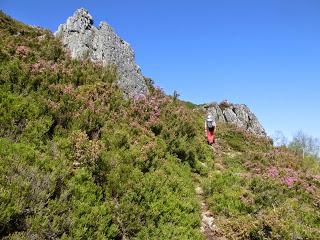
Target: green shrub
x=79 y=161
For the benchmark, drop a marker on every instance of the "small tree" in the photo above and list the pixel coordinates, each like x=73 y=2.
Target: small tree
x=279 y=139
x=175 y=95
x=306 y=144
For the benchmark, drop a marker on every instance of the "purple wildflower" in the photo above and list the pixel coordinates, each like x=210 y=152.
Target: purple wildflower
x=289 y=181
x=273 y=172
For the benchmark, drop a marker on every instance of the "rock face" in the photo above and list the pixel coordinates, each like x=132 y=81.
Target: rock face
x=101 y=44
x=237 y=114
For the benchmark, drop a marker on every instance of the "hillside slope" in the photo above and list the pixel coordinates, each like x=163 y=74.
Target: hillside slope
x=78 y=161
x=256 y=191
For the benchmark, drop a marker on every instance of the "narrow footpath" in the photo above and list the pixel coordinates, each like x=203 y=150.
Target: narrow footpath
x=208 y=227
x=207 y=220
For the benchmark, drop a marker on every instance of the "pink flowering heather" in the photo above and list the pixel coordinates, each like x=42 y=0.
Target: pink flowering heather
x=54 y=67
x=309 y=188
x=39 y=66
x=316 y=177
x=43 y=65
x=22 y=50
x=290 y=171
x=148 y=108
x=289 y=181
x=273 y=172
x=68 y=89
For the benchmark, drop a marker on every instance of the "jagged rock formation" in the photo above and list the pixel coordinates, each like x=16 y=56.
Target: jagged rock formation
x=101 y=44
x=238 y=114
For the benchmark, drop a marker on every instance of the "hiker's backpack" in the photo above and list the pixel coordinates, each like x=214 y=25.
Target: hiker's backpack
x=210 y=121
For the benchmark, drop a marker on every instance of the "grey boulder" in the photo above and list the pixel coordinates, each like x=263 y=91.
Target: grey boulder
x=85 y=41
x=239 y=115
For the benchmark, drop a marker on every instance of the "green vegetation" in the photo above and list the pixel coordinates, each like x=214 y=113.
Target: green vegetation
x=256 y=191
x=305 y=144
x=78 y=161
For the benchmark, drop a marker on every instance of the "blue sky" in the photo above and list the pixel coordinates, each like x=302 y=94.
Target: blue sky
x=264 y=53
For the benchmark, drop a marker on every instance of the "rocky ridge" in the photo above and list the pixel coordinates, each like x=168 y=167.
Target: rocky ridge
x=101 y=44
x=85 y=41
x=237 y=114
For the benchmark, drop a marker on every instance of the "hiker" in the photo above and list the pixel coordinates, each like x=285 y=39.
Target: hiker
x=210 y=128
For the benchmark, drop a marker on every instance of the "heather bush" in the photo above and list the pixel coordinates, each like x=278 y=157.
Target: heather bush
x=79 y=161
x=264 y=192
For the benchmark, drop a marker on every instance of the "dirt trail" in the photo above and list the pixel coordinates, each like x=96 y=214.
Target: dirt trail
x=208 y=227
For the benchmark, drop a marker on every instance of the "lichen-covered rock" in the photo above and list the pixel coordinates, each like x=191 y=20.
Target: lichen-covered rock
x=237 y=114
x=217 y=113
x=101 y=44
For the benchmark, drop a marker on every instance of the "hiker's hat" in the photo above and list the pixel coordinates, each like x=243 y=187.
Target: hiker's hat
x=210 y=118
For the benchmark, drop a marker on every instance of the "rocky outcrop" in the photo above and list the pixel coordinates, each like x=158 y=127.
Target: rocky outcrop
x=101 y=44
x=237 y=114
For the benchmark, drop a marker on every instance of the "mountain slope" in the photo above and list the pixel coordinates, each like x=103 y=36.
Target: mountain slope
x=256 y=191
x=78 y=161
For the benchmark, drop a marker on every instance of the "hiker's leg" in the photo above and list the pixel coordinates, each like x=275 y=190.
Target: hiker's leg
x=213 y=138
x=208 y=136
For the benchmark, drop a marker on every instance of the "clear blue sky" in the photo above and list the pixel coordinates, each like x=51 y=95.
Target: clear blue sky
x=264 y=53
